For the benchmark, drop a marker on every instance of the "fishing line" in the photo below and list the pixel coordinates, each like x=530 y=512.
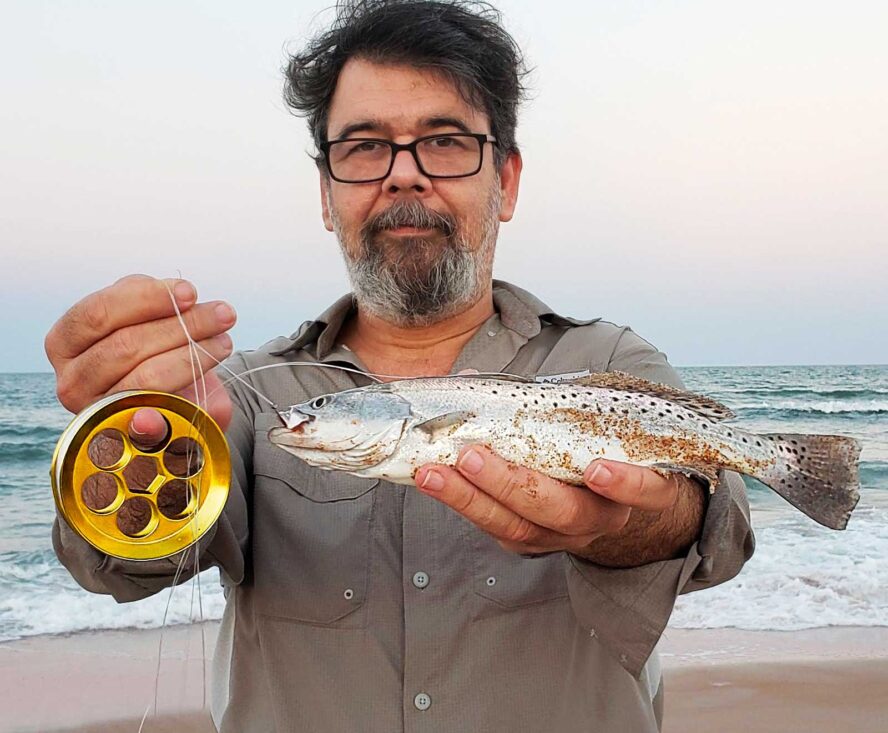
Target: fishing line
x=200 y=391
x=196 y=373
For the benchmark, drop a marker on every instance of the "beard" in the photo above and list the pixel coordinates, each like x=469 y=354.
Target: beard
x=420 y=280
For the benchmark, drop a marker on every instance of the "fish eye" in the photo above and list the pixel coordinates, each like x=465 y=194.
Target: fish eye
x=318 y=402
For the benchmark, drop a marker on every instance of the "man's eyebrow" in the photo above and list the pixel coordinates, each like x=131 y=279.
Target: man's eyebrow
x=360 y=126
x=446 y=122
x=371 y=125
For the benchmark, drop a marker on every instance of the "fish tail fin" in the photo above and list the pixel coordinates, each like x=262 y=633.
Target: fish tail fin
x=817 y=474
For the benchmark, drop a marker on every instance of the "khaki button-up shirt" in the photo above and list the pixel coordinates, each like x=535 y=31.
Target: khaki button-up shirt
x=358 y=605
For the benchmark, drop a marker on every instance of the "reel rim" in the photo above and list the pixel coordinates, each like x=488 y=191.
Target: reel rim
x=162 y=536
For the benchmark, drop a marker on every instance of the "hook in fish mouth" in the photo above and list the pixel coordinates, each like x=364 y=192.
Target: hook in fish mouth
x=293 y=418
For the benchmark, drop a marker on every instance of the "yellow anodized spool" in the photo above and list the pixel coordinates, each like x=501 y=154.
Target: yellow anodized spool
x=136 y=503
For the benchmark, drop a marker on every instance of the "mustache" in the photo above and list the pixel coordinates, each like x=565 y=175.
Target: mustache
x=410 y=214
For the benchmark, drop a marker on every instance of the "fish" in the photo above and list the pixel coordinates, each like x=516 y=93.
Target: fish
x=389 y=430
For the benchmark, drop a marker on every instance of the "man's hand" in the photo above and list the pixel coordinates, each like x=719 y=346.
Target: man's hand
x=127 y=336
x=625 y=515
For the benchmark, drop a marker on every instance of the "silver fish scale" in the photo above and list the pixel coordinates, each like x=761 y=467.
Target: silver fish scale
x=559 y=429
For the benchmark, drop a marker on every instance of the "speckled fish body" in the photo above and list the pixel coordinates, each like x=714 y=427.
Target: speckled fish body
x=388 y=431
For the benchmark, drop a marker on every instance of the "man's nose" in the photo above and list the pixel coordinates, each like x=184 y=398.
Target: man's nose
x=406 y=175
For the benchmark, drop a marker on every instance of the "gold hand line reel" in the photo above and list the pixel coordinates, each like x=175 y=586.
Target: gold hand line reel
x=135 y=502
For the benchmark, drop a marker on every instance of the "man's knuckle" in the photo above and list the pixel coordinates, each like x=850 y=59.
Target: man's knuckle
x=94 y=313
x=467 y=503
x=147 y=376
x=513 y=480
x=487 y=510
x=132 y=278
x=50 y=346
x=572 y=514
x=66 y=391
x=124 y=345
x=521 y=531
x=614 y=521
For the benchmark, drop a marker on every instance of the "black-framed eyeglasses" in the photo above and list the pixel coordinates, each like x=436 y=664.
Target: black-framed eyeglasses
x=364 y=159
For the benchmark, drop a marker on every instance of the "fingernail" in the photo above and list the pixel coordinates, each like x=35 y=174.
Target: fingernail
x=433 y=481
x=224 y=341
x=184 y=292
x=471 y=462
x=601 y=475
x=225 y=314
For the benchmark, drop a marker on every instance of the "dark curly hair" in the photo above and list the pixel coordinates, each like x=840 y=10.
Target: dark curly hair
x=461 y=39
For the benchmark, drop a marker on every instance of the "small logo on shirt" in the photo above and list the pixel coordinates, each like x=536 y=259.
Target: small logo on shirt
x=557 y=378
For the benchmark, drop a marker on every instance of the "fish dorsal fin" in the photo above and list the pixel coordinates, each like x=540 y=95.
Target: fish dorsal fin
x=623 y=382
x=442 y=425
x=498 y=376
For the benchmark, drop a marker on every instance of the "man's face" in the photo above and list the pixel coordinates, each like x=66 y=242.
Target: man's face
x=418 y=249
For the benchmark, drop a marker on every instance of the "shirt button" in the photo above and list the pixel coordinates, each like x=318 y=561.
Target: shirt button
x=422 y=701
x=420 y=579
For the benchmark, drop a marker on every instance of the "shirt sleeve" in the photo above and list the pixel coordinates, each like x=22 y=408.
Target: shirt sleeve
x=223 y=546
x=627 y=608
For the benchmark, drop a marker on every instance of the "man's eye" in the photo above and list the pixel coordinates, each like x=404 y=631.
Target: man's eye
x=366 y=146
x=444 y=142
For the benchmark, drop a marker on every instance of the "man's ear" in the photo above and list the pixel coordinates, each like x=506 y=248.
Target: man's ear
x=510 y=177
x=325 y=201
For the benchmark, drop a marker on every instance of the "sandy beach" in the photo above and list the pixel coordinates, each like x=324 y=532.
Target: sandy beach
x=733 y=681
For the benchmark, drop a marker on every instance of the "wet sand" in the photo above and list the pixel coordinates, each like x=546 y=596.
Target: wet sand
x=728 y=680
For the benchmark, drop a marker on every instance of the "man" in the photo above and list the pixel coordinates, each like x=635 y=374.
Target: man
x=490 y=597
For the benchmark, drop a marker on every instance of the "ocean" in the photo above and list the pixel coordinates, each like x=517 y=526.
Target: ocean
x=802 y=575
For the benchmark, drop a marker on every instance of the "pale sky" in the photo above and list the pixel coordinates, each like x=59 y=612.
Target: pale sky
x=712 y=173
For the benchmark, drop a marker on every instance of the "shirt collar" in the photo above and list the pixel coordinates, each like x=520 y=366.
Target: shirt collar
x=517 y=310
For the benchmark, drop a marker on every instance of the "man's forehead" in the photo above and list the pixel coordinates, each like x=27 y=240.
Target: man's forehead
x=398 y=97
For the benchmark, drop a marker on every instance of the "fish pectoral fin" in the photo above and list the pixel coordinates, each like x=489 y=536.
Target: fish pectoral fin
x=706 y=474
x=445 y=424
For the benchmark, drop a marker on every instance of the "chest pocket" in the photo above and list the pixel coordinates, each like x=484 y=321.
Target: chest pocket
x=506 y=581
x=311 y=538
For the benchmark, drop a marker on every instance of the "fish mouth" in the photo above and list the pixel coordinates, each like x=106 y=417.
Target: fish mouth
x=295 y=420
